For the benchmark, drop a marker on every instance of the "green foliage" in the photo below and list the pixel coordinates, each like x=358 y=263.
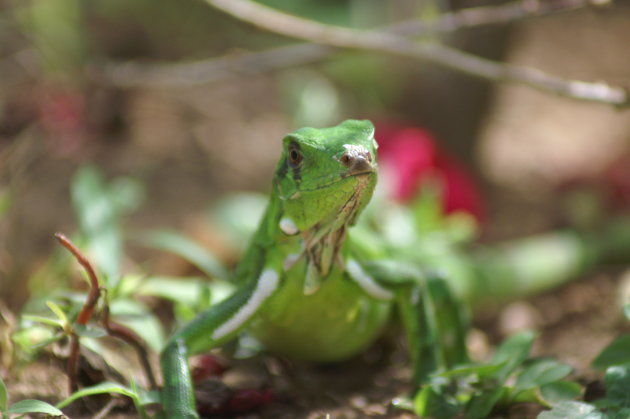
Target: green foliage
x=190 y=296
x=239 y=215
x=615 y=360
x=5 y=201
x=24 y=406
x=617 y=381
x=138 y=317
x=187 y=249
x=34 y=406
x=98 y=207
x=311 y=98
x=618 y=352
x=4 y=396
x=475 y=390
x=573 y=410
x=139 y=397
x=56 y=28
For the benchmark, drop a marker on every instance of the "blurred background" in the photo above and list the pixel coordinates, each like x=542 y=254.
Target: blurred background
x=166 y=106
x=191 y=104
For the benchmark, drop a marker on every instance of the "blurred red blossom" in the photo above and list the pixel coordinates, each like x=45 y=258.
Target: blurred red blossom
x=63 y=116
x=617 y=177
x=411 y=156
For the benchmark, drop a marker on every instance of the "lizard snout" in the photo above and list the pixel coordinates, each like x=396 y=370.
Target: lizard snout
x=357 y=159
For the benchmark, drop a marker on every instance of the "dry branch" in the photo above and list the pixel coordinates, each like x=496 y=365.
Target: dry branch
x=384 y=42
x=248 y=63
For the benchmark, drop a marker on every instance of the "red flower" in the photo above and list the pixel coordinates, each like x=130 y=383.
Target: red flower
x=63 y=115
x=410 y=156
x=617 y=177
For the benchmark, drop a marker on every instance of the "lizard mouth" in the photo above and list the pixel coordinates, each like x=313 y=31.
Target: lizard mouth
x=362 y=173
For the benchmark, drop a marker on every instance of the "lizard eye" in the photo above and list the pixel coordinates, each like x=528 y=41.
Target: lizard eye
x=295 y=157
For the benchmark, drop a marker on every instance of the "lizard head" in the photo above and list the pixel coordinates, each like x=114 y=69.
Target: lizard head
x=324 y=179
x=326 y=174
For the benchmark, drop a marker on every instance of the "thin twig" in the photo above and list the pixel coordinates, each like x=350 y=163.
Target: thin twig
x=86 y=311
x=372 y=40
x=113 y=329
x=213 y=70
x=131 y=338
x=489 y=15
x=247 y=63
x=88 y=308
x=106 y=410
x=73 y=363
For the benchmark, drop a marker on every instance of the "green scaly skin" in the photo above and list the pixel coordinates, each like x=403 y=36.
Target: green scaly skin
x=303 y=293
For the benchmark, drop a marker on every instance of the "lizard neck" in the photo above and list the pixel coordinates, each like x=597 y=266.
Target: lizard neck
x=266 y=238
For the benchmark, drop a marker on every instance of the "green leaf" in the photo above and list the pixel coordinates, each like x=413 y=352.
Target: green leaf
x=46 y=342
x=482 y=404
x=430 y=403
x=560 y=391
x=540 y=373
x=618 y=352
x=626 y=311
x=137 y=399
x=617 y=381
x=187 y=249
x=140 y=319
x=98 y=216
x=126 y=193
x=4 y=396
x=44 y=320
x=572 y=410
x=89 y=331
x=33 y=337
x=102 y=388
x=180 y=290
x=480 y=370
x=512 y=352
x=239 y=215
x=34 y=406
x=149 y=397
x=61 y=315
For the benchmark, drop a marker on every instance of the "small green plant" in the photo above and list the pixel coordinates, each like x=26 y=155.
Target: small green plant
x=23 y=407
x=475 y=390
x=80 y=320
x=614 y=359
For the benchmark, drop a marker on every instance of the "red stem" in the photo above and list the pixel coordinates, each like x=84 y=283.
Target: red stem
x=86 y=311
x=95 y=292
x=127 y=335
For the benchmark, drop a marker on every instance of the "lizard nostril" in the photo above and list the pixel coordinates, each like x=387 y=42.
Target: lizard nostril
x=347 y=160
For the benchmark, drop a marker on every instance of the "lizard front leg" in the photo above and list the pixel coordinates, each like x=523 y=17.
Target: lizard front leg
x=435 y=322
x=215 y=326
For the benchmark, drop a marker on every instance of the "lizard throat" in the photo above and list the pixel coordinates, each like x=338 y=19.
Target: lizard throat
x=323 y=242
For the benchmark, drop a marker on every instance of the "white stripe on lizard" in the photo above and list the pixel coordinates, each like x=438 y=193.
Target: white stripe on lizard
x=267 y=284
x=366 y=282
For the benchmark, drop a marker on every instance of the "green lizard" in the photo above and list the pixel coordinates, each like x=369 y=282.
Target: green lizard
x=304 y=291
